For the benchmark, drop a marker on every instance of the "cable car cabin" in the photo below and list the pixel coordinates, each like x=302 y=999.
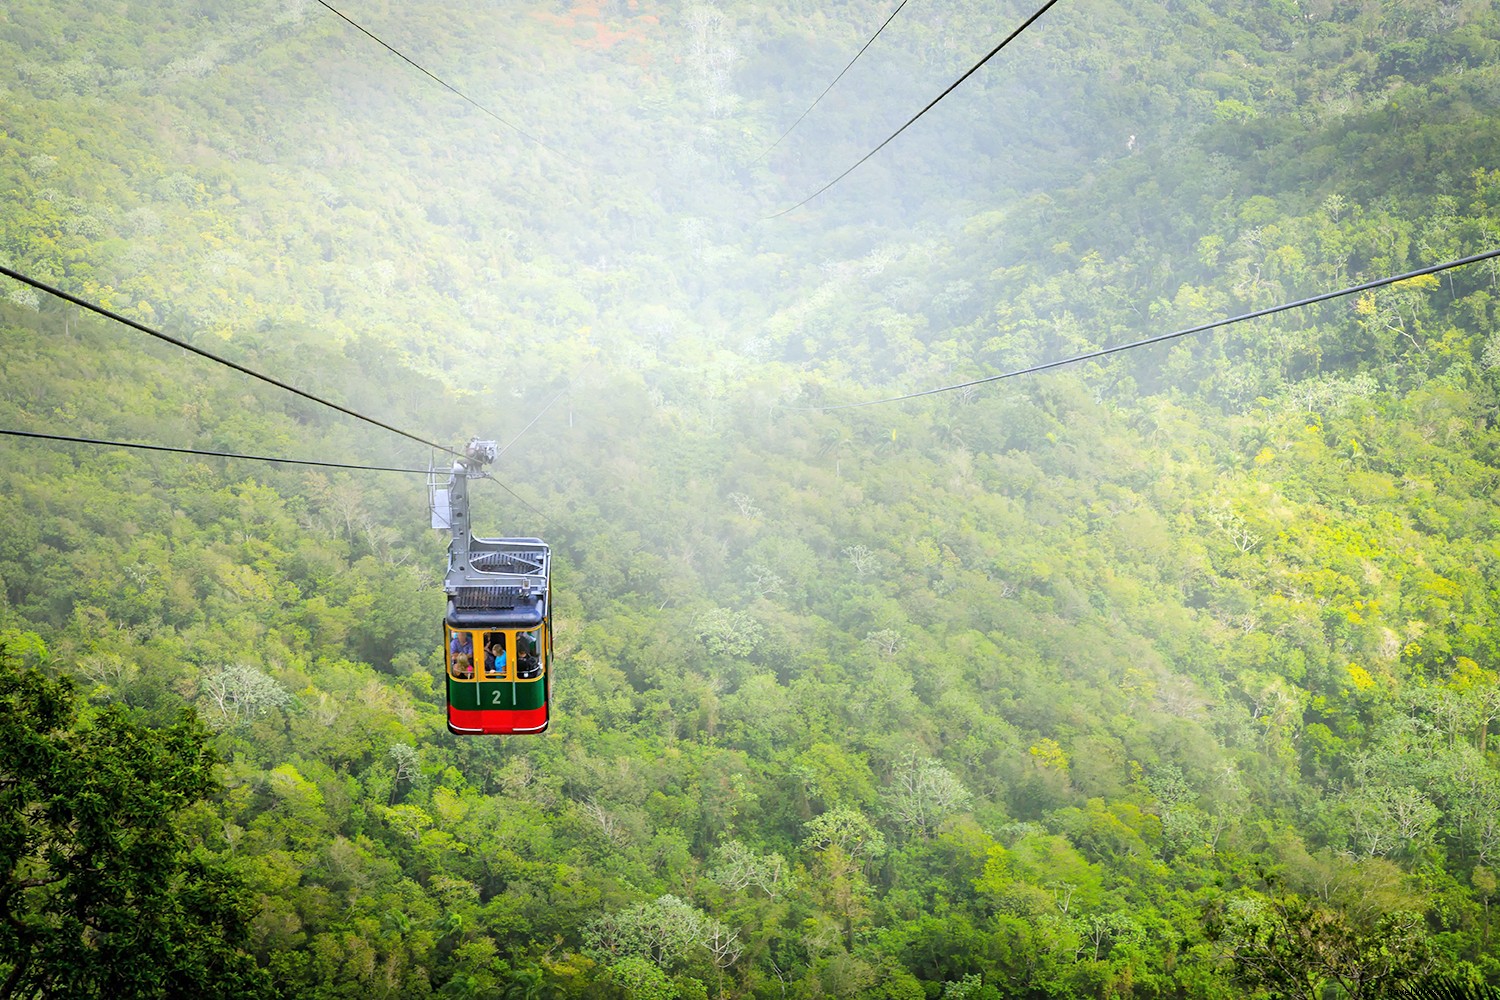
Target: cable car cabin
x=499 y=649
x=497 y=634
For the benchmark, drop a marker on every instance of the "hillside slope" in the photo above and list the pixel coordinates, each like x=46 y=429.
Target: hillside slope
x=1167 y=676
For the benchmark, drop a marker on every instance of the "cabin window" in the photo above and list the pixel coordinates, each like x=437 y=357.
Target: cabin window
x=528 y=655
x=496 y=655
x=460 y=654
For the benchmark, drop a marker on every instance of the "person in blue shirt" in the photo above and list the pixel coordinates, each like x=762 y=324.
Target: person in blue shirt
x=494 y=657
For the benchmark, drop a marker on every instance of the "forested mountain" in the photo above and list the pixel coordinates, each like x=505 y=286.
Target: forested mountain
x=1169 y=674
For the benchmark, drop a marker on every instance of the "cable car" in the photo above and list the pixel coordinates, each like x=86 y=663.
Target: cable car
x=497 y=633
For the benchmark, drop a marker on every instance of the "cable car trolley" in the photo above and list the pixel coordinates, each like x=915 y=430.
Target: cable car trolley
x=497 y=634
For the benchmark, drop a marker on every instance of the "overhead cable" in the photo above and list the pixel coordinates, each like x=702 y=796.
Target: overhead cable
x=485 y=475
x=210 y=454
x=254 y=458
x=933 y=103
x=555 y=397
x=833 y=84
x=431 y=76
x=1103 y=352
x=143 y=328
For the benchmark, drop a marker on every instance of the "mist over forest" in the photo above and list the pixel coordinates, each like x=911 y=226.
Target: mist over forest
x=1165 y=674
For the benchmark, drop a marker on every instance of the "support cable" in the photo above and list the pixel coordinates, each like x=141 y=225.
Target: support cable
x=555 y=397
x=434 y=78
x=520 y=499
x=835 y=82
x=210 y=454
x=269 y=380
x=1161 y=338
x=951 y=87
x=256 y=458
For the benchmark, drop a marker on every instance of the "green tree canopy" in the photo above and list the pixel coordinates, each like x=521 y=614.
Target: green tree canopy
x=105 y=891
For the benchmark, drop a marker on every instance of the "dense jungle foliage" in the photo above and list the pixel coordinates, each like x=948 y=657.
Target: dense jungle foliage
x=1167 y=675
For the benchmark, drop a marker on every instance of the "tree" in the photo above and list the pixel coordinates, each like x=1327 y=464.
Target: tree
x=102 y=890
x=923 y=793
x=1296 y=948
x=641 y=980
x=738 y=868
x=1449 y=988
x=663 y=930
x=238 y=693
x=865 y=560
x=886 y=640
x=726 y=632
x=844 y=842
x=1102 y=930
x=407 y=763
x=970 y=987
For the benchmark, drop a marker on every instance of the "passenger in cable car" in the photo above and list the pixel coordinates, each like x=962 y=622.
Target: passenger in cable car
x=494 y=656
x=461 y=646
x=527 y=664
